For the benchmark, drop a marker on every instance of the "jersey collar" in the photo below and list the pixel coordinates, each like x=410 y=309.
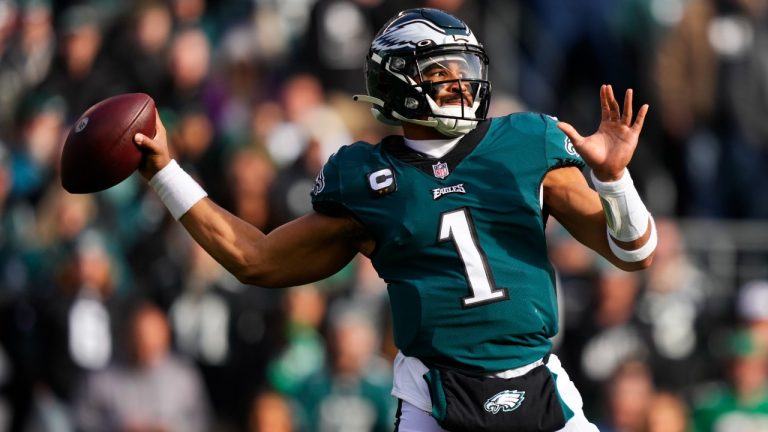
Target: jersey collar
x=395 y=146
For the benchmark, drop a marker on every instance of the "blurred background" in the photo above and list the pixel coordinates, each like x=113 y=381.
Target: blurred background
x=112 y=319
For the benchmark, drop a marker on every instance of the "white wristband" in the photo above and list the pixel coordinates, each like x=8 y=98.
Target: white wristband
x=638 y=254
x=625 y=212
x=177 y=189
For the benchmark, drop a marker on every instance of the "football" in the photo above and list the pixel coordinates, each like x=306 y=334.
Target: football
x=99 y=151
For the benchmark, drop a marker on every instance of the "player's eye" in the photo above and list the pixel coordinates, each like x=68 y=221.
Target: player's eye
x=436 y=73
x=444 y=75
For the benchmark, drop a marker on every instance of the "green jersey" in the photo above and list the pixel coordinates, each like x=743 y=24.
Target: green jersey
x=721 y=410
x=459 y=239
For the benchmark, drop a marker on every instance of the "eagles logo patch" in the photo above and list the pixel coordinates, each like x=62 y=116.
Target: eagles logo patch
x=506 y=401
x=319 y=183
x=569 y=147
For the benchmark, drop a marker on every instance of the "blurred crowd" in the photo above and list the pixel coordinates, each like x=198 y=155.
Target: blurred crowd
x=112 y=318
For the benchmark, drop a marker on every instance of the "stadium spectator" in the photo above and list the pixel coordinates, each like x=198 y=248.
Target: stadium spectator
x=333 y=51
x=609 y=335
x=752 y=307
x=630 y=393
x=678 y=307
x=75 y=324
x=741 y=401
x=36 y=145
x=27 y=56
x=271 y=412
x=189 y=66
x=356 y=379
x=78 y=73
x=155 y=390
x=249 y=176
x=138 y=44
x=304 y=351
x=668 y=412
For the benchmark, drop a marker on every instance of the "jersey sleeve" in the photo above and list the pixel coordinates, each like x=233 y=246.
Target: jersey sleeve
x=327 y=192
x=558 y=147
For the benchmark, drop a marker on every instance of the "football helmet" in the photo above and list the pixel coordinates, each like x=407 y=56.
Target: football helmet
x=426 y=67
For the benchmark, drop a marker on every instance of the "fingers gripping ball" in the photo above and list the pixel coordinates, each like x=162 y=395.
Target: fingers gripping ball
x=99 y=151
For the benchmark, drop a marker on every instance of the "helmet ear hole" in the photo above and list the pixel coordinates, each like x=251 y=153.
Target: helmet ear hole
x=397 y=63
x=411 y=103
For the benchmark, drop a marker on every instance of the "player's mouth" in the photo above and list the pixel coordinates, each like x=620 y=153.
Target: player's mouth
x=455 y=101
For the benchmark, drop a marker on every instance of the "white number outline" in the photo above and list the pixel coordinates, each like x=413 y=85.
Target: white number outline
x=457 y=226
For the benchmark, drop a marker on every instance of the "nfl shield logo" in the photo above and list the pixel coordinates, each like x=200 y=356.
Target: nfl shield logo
x=440 y=170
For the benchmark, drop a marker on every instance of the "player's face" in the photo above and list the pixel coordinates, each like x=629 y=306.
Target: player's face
x=451 y=92
x=456 y=71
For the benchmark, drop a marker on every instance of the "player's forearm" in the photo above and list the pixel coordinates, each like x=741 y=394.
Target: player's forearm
x=229 y=240
x=579 y=209
x=589 y=228
x=647 y=241
x=307 y=249
x=631 y=231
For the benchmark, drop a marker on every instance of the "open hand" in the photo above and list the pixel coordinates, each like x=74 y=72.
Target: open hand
x=609 y=150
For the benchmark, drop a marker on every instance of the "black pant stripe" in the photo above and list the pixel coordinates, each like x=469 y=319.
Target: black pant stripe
x=398 y=414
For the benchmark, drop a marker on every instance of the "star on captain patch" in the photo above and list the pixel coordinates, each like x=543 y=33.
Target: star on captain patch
x=440 y=170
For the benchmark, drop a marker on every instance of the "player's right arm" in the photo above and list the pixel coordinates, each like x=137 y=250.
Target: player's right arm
x=304 y=250
x=307 y=249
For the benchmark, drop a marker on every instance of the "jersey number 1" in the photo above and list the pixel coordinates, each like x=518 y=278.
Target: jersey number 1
x=456 y=225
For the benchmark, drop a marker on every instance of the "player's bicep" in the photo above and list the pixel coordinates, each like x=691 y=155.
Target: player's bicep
x=305 y=250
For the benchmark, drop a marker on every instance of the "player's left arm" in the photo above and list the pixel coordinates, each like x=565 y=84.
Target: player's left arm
x=613 y=220
x=570 y=200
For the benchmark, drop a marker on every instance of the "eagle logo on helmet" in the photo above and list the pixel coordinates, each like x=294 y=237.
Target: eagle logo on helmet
x=419 y=33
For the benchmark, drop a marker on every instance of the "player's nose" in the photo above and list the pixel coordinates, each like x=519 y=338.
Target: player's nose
x=457 y=85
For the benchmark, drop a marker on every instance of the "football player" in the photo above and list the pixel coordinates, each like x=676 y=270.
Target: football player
x=452 y=215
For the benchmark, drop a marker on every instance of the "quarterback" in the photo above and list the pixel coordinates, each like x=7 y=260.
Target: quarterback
x=452 y=214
